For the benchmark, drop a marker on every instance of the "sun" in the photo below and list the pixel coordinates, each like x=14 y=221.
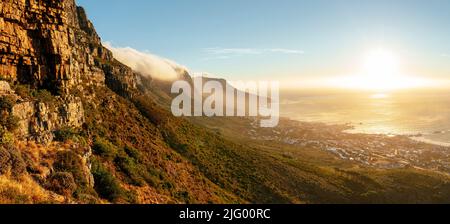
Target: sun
x=380 y=64
x=379 y=70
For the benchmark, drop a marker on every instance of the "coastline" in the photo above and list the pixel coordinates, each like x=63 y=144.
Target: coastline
x=350 y=128
x=418 y=138
x=429 y=141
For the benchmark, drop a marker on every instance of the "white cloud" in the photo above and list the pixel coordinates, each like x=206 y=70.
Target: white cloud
x=232 y=51
x=250 y=51
x=445 y=55
x=286 y=51
x=146 y=63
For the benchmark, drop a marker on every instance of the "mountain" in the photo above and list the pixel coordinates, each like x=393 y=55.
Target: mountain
x=70 y=118
x=78 y=126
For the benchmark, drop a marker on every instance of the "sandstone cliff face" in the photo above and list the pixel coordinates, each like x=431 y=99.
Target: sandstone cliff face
x=51 y=44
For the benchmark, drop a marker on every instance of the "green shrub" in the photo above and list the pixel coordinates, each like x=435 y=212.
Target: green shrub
x=184 y=196
x=67 y=134
x=27 y=92
x=7 y=120
x=174 y=143
x=152 y=180
x=63 y=135
x=24 y=91
x=62 y=183
x=86 y=195
x=104 y=148
x=7 y=103
x=68 y=161
x=132 y=152
x=106 y=185
x=134 y=171
x=18 y=165
x=167 y=186
x=151 y=111
x=11 y=123
x=43 y=95
x=11 y=161
x=86 y=198
x=4 y=161
x=7 y=138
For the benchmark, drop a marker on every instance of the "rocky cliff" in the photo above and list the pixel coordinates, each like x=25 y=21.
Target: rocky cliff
x=51 y=45
x=48 y=44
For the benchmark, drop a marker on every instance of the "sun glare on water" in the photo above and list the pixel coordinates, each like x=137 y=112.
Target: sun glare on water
x=379 y=96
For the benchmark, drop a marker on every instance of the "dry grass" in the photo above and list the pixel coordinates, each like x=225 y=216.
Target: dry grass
x=41 y=156
x=25 y=191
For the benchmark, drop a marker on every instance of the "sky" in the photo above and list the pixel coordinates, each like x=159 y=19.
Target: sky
x=294 y=41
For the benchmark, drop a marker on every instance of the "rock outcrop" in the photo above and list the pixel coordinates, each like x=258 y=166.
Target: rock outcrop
x=5 y=88
x=38 y=121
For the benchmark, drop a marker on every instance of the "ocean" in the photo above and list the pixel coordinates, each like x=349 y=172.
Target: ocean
x=422 y=114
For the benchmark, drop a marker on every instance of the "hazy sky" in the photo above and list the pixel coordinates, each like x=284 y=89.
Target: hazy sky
x=286 y=39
